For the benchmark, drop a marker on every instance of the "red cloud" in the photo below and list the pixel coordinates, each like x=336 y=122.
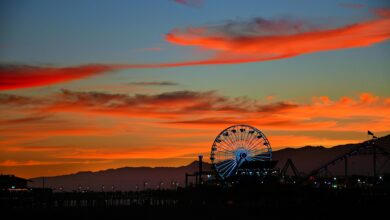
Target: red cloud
x=236 y=42
x=261 y=40
x=15 y=77
x=180 y=122
x=166 y=105
x=205 y=109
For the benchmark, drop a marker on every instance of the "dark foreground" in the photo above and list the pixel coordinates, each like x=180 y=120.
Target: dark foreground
x=275 y=202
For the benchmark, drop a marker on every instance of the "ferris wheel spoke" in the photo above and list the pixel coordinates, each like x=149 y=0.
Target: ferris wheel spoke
x=260 y=157
x=256 y=144
x=248 y=143
x=227 y=145
x=227 y=167
x=223 y=163
x=232 y=170
x=222 y=157
x=257 y=152
x=255 y=137
x=261 y=148
x=232 y=140
x=225 y=151
x=252 y=138
x=244 y=136
x=240 y=132
x=220 y=145
x=225 y=154
x=237 y=137
x=246 y=139
x=228 y=141
x=229 y=170
x=256 y=148
x=223 y=147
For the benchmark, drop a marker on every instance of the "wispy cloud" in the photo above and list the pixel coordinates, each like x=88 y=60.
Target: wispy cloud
x=261 y=39
x=23 y=120
x=163 y=105
x=191 y=3
x=15 y=163
x=352 y=5
x=10 y=99
x=22 y=76
x=163 y=83
x=235 y=42
x=210 y=108
x=182 y=122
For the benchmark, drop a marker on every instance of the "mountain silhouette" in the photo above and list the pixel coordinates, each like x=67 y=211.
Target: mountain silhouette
x=127 y=178
x=311 y=157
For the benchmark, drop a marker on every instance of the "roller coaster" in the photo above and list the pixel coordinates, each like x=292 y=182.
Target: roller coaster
x=243 y=153
x=368 y=147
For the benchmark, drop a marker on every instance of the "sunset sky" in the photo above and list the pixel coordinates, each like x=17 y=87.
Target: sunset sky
x=92 y=85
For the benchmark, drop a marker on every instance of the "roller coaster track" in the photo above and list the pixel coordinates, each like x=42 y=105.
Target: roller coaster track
x=358 y=149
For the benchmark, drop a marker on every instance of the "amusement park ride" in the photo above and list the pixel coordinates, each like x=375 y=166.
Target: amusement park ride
x=238 y=153
x=242 y=154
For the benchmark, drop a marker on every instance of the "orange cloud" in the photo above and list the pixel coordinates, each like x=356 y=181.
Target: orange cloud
x=71 y=128
x=174 y=150
x=168 y=105
x=261 y=40
x=189 y=109
x=236 y=42
x=14 y=163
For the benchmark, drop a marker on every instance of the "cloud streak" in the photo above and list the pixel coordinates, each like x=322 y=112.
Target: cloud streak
x=191 y=3
x=188 y=108
x=235 y=42
x=164 y=105
x=261 y=39
x=352 y=5
x=164 y=83
x=23 y=76
x=96 y=125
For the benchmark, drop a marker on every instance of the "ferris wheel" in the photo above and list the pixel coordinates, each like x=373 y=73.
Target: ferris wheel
x=238 y=144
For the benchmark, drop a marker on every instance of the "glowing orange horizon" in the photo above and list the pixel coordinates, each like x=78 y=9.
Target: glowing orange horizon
x=183 y=124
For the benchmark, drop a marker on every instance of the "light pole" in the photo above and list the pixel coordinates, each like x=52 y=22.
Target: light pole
x=145 y=184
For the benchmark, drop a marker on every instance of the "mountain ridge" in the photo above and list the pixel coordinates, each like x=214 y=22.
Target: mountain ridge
x=305 y=159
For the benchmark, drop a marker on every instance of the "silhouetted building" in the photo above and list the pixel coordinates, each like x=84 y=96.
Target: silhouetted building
x=12 y=182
